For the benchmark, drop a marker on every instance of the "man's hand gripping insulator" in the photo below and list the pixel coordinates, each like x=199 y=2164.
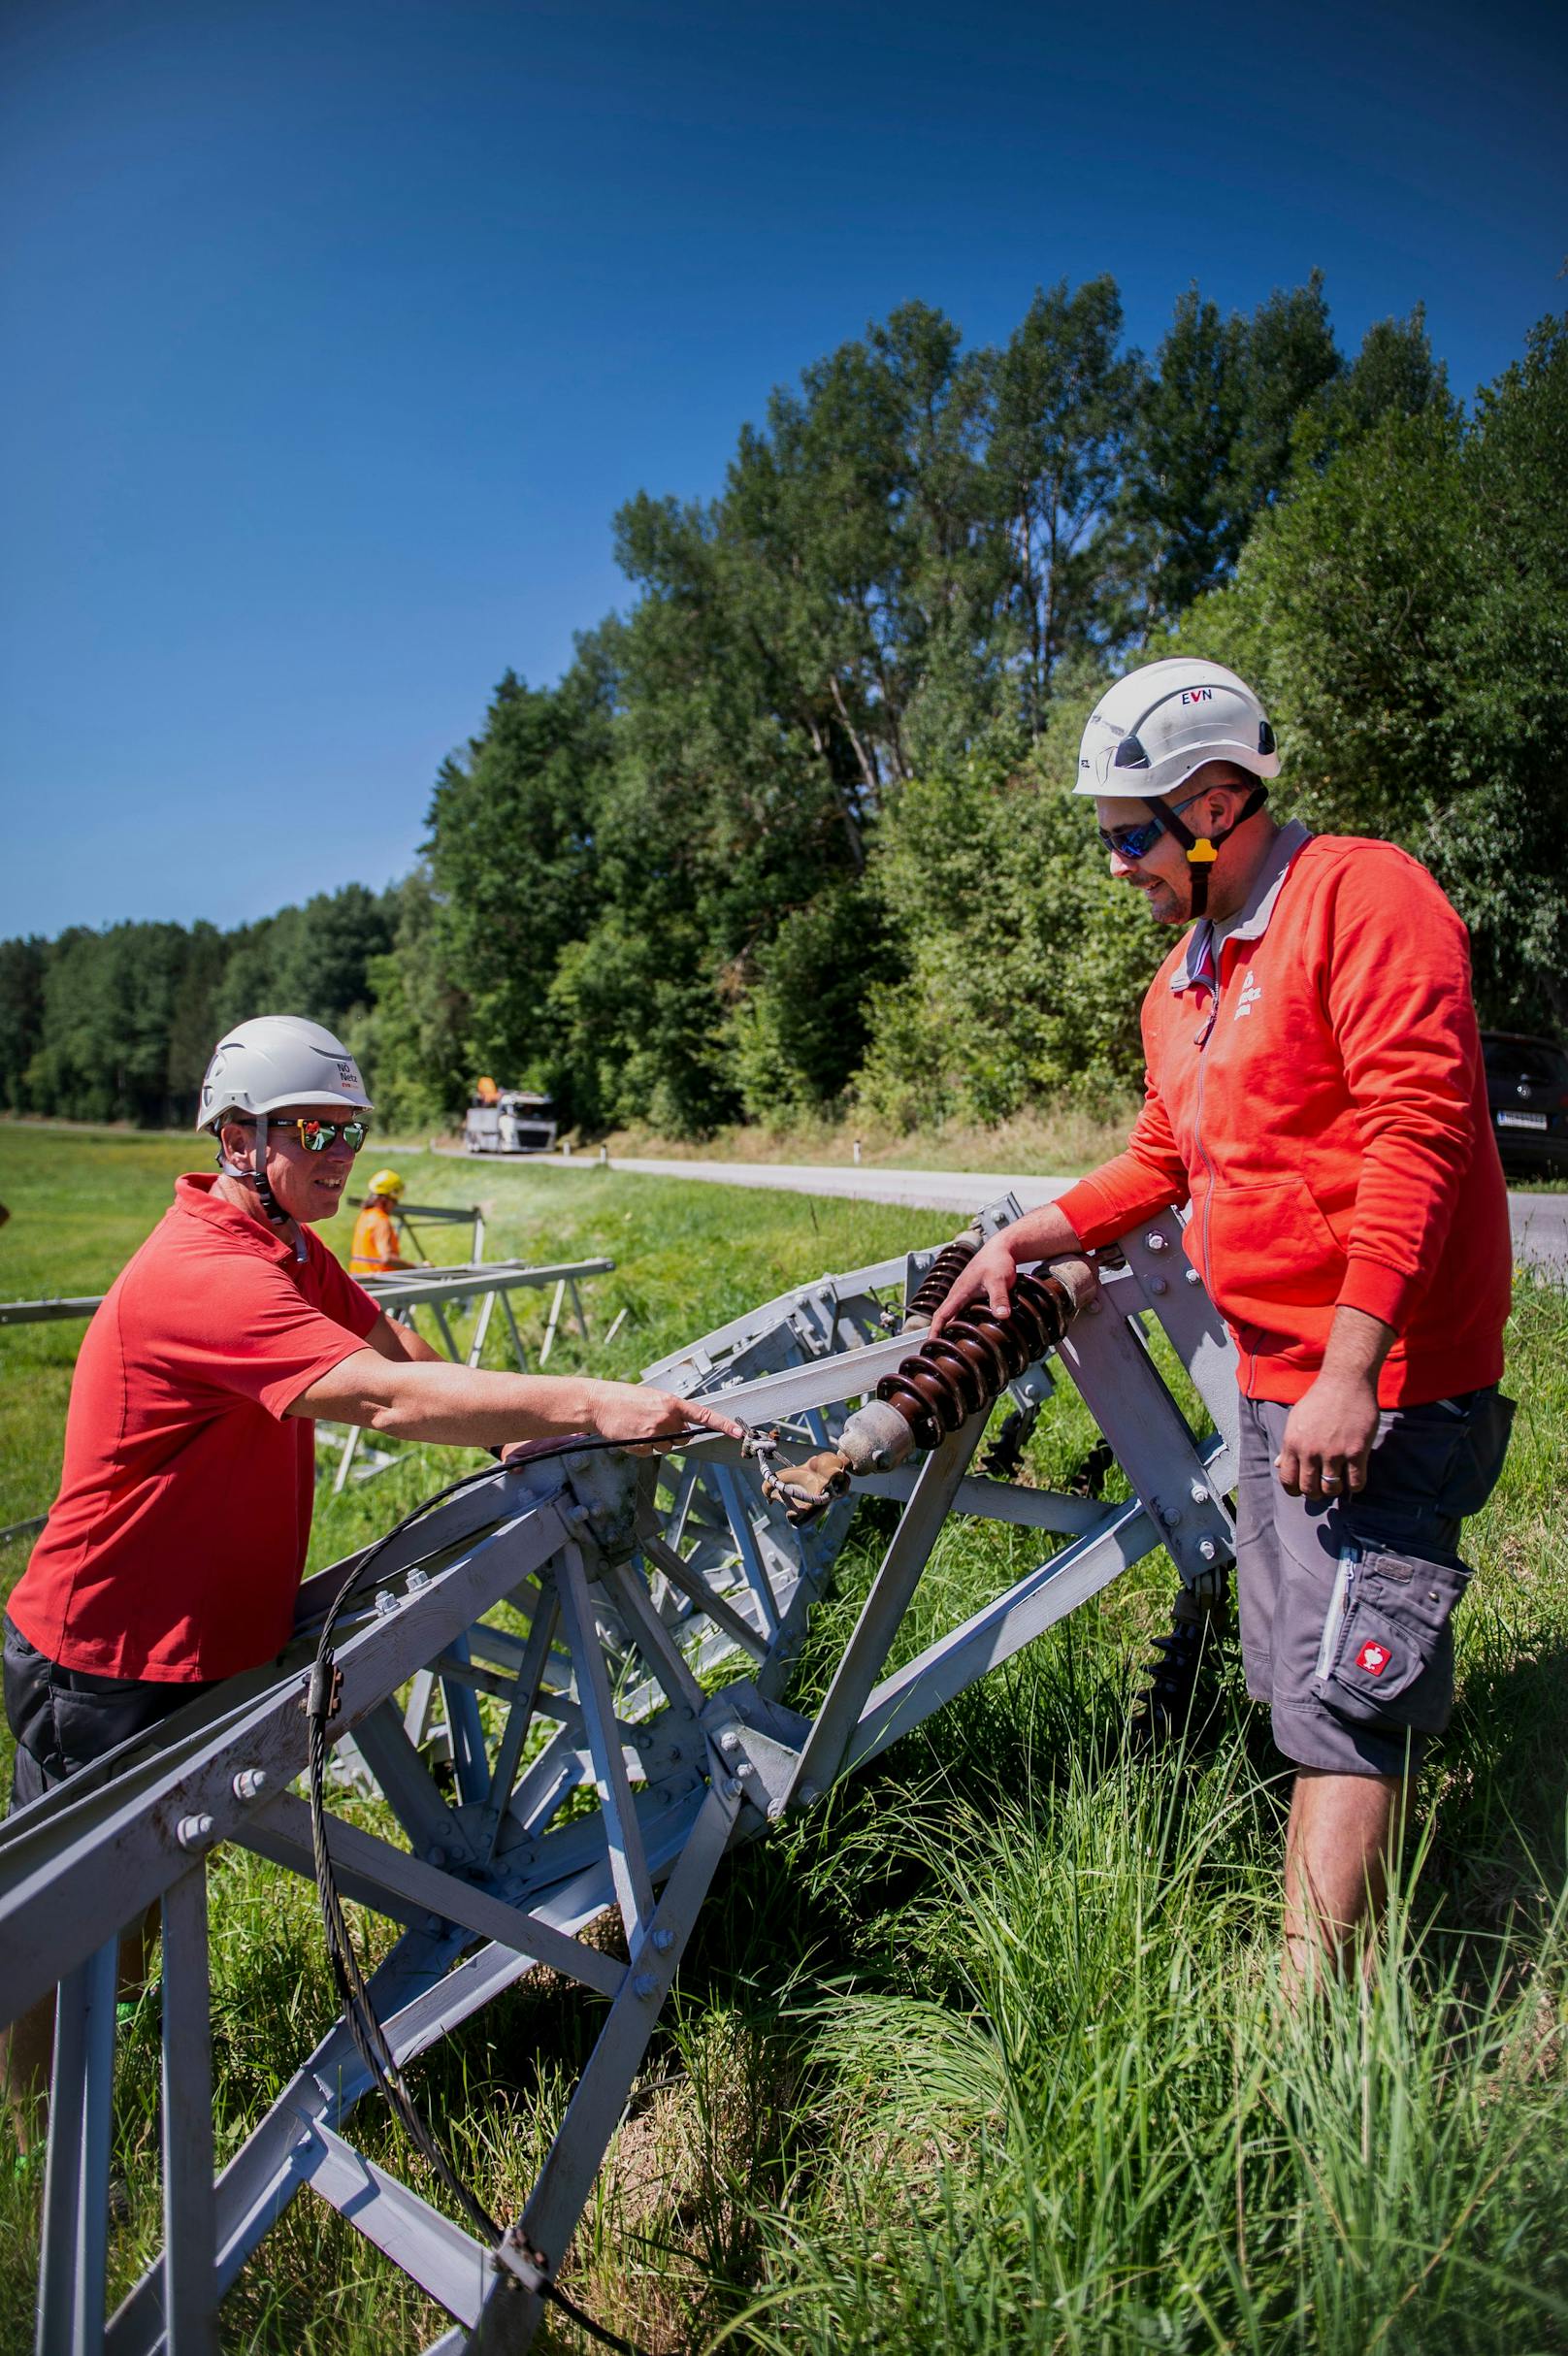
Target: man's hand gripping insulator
x=936 y=1389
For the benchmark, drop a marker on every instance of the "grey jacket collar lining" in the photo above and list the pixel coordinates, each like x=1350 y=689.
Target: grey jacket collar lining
x=1252 y=922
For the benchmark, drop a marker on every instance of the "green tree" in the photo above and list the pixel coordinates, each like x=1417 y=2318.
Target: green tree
x=1394 y=375
x=322 y=952
x=193 y=1017
x=1213 y=445
x=801 y=815
x=512 y=858
x=1063 y=401
x=23 y=964
x=108 y=1018
x=1406 y=613
x=411 y=1037
x=1025 y=964
x=800 y=1030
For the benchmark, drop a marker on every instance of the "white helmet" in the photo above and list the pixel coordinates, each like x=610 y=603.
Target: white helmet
x=271 y=1061
x=275 y=1060
x=1148 y=735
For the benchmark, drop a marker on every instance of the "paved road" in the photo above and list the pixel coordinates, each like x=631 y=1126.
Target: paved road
x=1540 y=1222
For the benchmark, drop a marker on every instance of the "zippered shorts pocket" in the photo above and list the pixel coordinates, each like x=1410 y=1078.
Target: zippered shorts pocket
x=1387 y=1657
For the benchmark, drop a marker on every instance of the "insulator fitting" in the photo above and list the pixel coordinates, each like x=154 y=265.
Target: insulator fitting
x=975 y=1356
x=938 y=1281
x=944 y=1382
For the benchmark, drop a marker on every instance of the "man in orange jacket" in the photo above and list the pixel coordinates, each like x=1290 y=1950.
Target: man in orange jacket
x=375 y=1250
x=1314 y=1091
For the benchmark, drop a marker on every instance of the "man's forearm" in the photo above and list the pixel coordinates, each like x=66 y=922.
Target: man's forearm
x=478 y=1409
x=432 y=1399
x=1042 y=1235
x=1357 y=1345
x=391 y=1339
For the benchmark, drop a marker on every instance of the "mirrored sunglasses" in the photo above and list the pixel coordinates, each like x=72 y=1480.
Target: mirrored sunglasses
x=1137 y=841
x=317 y=1136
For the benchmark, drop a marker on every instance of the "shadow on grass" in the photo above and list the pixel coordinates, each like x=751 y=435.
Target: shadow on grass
x=1499 y=1849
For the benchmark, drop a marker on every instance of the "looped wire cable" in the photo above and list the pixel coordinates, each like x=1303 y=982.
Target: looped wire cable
x=359 y=2013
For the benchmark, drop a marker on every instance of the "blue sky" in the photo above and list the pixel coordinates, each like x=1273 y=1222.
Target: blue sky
x=335 y=334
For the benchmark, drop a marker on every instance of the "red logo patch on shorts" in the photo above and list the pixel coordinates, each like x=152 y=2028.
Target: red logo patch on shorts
x=1373 y=1657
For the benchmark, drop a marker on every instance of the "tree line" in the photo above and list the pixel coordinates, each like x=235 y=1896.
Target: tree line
x=794 y=828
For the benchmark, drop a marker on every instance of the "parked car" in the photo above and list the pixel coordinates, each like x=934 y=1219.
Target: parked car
x=1527 y=1096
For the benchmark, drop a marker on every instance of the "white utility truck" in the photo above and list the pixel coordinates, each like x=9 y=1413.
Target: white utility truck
x=516 y=1123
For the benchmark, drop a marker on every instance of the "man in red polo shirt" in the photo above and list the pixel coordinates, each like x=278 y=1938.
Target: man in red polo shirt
x=1315 y=1091
x=173 y=1553
x=191 y=1412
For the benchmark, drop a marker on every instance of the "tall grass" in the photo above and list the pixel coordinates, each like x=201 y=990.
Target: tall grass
x=1092 y=2124
x=1033 y=2084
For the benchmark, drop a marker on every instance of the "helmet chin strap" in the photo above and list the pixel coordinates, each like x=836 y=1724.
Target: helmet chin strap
x=1202 y=850
x=272 y=1208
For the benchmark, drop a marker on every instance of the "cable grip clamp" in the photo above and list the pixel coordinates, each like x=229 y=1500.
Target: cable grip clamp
x=323 y=1696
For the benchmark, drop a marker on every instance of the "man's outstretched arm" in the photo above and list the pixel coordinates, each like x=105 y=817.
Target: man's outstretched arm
x=428 y=1398
x=1148 y=1177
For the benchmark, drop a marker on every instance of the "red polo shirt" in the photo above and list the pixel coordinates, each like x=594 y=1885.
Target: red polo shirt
x=174 y=1548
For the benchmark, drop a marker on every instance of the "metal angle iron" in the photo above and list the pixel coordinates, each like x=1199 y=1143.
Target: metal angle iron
x=568 y=1688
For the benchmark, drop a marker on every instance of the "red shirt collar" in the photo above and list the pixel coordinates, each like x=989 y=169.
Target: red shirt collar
x=194 y=1195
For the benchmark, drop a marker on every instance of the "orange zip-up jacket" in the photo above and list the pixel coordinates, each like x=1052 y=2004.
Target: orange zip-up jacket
x=1326 y=1115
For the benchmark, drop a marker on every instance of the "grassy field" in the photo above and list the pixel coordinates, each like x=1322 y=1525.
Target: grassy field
x=987 y=2053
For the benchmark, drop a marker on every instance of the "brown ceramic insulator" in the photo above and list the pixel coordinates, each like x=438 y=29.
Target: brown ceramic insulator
x=963 y=1357
x=925 y=1399
x=971 y=1350
x=972 y=1360
x=939 y=1279
x=1051 y=1306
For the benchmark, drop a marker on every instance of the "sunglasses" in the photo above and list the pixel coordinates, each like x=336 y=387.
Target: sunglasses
x=1137 y=841
x=317 y=1136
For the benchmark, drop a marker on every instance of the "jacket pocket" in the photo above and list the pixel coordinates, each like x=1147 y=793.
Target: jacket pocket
x=1387 y=1657
x=1263 y=1248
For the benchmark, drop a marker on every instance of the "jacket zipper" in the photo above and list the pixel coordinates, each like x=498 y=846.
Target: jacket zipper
x=1216 y=956
x=1217 y=952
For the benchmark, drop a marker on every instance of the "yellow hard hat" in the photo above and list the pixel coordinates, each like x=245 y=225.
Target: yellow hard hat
x=388 y=1181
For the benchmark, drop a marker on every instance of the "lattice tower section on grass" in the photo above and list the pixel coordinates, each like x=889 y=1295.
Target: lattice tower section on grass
x=571 y=1686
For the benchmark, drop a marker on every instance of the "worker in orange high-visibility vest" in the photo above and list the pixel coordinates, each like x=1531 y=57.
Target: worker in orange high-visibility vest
x=375 y=1250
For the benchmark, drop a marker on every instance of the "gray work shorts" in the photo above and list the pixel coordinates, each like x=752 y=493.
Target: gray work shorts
x=63 y=1718
x=1346 y=1603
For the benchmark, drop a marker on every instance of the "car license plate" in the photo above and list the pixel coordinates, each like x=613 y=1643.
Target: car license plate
x=1522 y=1120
